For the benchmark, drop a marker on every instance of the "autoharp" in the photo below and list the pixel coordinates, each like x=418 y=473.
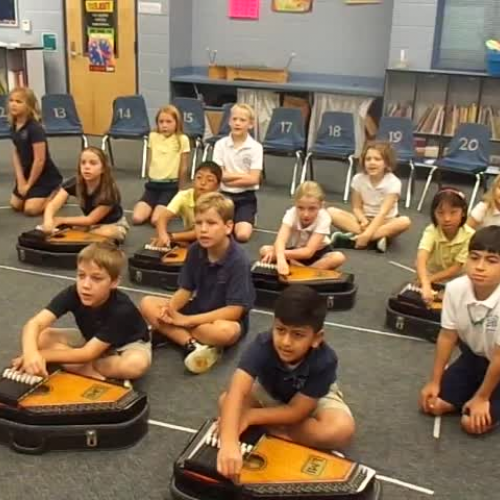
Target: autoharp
x=272 y=468
x=68 y=411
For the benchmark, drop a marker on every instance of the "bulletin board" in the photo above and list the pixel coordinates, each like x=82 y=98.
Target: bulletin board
x=8 y=13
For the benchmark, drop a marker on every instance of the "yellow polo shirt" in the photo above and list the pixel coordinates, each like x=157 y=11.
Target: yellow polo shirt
x=165 y=154
x=182 y=205
x=443 y=252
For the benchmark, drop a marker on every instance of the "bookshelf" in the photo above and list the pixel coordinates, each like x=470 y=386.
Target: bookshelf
x=21 y=65
x=439 y=101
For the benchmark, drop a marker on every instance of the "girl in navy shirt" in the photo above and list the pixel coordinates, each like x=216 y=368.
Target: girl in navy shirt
x=98 y=196
x=37 y=177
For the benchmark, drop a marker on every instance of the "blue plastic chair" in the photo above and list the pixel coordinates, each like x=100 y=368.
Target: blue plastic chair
x=130 y=121
x=468 y=154
x=5 y=132
x=335 y=140
x=224 y=130
x=286 y=137
x=60 y=117
x=399 y=132
x=193 y=115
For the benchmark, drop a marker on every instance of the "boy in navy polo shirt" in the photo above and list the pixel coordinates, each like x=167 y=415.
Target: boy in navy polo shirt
x=217 y=277
x=112 y=339
x=286 y=381
x=470 y=319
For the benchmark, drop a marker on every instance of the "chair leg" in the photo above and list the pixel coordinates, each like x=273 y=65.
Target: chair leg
x=409 y=188
x=348 y=178
x=311 y=169
x=104 y=142
x=194 y=159
x=144 y=156
x=474 y=192
x=296 y=167
x=206 y=151
x=111 y=155
x=85 y=142
x=305 y=166
x=426 y=188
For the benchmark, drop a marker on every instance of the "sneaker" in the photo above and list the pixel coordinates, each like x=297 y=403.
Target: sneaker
x=202 y=358
x=342 y=240
x=382 y=245
x=120 y=381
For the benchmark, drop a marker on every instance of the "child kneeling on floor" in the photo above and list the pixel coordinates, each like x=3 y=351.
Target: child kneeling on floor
x=112 y=339
x=217 y=277
x=286 y=381
x=470 y=319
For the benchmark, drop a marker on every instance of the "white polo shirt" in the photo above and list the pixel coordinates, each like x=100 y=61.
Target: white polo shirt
x=373 y=196
x=475 y=321
x=300 y=235
x=485 y=217
x=248 y=156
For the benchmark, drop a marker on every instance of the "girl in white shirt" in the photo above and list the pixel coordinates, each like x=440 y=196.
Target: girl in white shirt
x=487 y=212
x=375 y=195
x=304 y=235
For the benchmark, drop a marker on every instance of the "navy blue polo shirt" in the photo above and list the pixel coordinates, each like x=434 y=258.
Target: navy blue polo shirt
x=117 y=322
x=312 y=377
x=29 y=134
x=226 y=282
x=90 y=202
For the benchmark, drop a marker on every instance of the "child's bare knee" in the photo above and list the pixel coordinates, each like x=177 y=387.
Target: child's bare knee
x=32 y=211
x=341 y=434
x=137 y=365
x=221 y=400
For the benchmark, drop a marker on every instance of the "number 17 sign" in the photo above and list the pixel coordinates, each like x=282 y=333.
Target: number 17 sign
x=244 y=9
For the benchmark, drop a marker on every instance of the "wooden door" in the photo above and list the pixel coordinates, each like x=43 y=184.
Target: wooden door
x=94 y=87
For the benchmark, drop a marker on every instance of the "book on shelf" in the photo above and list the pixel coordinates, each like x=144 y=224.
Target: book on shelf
x=16 y=79
x=399 y=109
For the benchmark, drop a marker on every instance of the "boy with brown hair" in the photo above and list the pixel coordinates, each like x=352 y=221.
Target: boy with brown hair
x=112 y=338
x=210 y=309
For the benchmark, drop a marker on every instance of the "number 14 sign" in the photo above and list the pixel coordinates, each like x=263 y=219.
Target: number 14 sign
x=244 y=9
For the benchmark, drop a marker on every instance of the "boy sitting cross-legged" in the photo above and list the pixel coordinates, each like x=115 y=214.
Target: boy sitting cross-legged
x=470 y=320
x=286 y=381
x=210 y=308
x=112 y=338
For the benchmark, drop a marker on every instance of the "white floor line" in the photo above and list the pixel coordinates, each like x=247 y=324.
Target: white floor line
x=258 y=311
x=404 y=484
x=5 y=208
x=69 y=278
x=436 y=431
x=172 y=426
x=402 y=266
x=387 y=479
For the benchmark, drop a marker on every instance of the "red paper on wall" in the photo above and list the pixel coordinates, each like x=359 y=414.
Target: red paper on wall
x=244 y=9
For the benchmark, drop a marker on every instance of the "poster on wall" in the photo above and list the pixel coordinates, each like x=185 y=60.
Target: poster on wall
x=297 y=6
x=100 y=31
x=8 y=12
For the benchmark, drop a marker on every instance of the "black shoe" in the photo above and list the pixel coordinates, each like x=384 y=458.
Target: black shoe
x=158 y=340
x=189 y=347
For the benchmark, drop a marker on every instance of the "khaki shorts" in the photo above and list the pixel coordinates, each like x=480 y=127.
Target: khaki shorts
x=334 y=400
x=75 y=339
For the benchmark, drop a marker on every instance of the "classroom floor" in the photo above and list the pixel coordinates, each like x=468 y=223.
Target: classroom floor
x=381 y=373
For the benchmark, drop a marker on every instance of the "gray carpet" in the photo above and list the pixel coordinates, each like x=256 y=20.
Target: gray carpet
x=381 y=376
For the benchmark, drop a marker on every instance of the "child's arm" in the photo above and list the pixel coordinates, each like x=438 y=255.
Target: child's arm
x=180 y=298
x=313 y=245
x=92 y=350
x=229 y=460
x=93 y=218
x=279 y=248
x=227 y=313
x=39 y=157
x=183 y=171
x=162 y=227
x=448 y=273
x=479 y=406
x=18 y=170
x=241 y=179
x=471 y=222
x=477 y=215
x=53 y=206
x=446 y=342
x=357 y=208
x=32 y=360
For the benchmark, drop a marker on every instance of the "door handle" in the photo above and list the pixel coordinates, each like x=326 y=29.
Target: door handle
x=73 y=52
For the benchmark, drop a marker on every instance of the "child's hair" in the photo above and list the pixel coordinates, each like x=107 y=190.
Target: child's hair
x=489 y=197
x=107 y=192
x=486 y=239
x=386 y=151
x=105 y=255
x=454 y=198
x=212 y=167
x=300 y=305
x=222 y=205
x=245 y=107
x=309 y=188
x=172 y=111
x=31 y=101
